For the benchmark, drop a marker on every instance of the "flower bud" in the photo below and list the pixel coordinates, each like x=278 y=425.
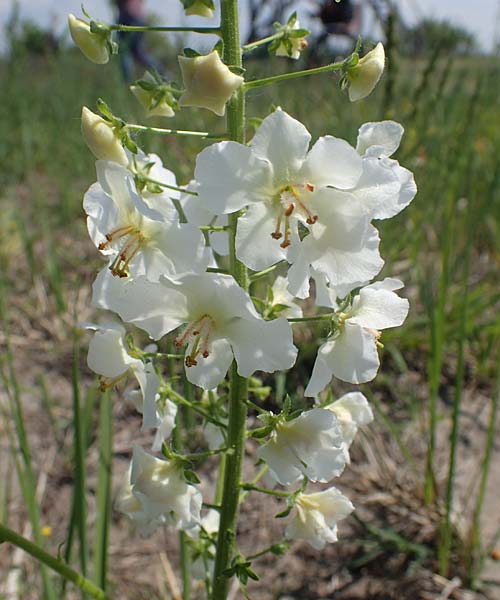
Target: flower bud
x=101 y=138
x=202 y=8
x=208 y=82
x=293 y=41
x=364 y=76
x=156 y=101
x=93 y=45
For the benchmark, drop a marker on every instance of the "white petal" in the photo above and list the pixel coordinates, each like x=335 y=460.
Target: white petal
x=283 y=141
x=379 y=189
x=378 y=308
x=356 y=404
x=103 y=214
x=230 y=176
x=115 y=181
x=325 y=295
x=281 y=460
x=379 y=139
x=299 y=273
x=346 y=268
x=333 y=162
x=320 y=377
x=282 y=296
x=254 y=245
x=107 y=354
x=149 y=383
x=352 y=356
x=210 y=371
x=166 y=424
x=157 y=308
x=261 y=345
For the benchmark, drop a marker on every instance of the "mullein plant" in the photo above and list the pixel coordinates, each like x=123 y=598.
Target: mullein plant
x=180 y=264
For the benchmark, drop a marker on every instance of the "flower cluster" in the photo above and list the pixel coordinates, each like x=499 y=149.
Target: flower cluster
x=276 y=205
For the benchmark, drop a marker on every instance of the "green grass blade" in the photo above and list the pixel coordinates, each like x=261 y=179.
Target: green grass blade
x=103 y=491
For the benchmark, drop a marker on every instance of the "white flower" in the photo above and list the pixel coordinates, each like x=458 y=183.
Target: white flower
x=93 y=45
x=138 y=239
x=165 y=414
x=208 y=81
x=316 y=517
x=351 y=354
x=101 y=139
x=352 y=411
x=310 y=445
x=282 y=184
x=197 y=214
x=203 y=562
x=221 y=322
x=396 y=185
x=109 y=358
x=158 y=493
x=281 y=296
x=366 y=74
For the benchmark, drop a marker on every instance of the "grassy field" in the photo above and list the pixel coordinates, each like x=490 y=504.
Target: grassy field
x=435 y=398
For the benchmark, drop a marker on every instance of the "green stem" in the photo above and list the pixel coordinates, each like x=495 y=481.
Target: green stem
x=327 y=317
x=183 y=542
x=169 y=187
x=239 y=385
x=250 y=487
x=202 y=134
x=133 y=28
x=57 y=565
x=212 y=227
x=250 y=85
x=176 y=397
x=266 y=40
x=259 y=274
x=103 y=490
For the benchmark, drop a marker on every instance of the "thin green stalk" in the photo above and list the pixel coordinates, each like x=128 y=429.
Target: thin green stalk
x=57 y=565
x=250 y=85
x=261 y=42
x=25 y=469
x=176 y=397
x=183 y=543
x=175 y=188
x=103 y=490
x=475 y=550
x=137 y=28
x=185 y=132
x=444 y=545
x=250 y=487
x=79 y=449
x=239 y=385
x=327 y=317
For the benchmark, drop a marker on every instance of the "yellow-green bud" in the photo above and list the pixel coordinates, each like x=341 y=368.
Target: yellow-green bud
x=366 y=74
x=93 y=45
x=146 y=98
x=101 y=138
x=201 y=9
x=208 y=82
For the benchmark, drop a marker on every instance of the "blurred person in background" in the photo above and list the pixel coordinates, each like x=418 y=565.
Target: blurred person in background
x=132 y=48
x=340 y=18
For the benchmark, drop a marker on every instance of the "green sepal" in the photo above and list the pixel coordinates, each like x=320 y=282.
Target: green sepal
x=190 y=53
x=191 y=477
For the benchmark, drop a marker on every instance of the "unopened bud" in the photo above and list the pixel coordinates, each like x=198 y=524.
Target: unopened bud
x=366 y=74
x=201 y=8
x=101 y=138
x=154 y=101
x=93 y=45
x=208 y=82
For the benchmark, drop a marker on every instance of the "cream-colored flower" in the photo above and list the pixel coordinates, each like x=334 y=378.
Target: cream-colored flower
x=366 y=74
x=208 y=82
x=101 y=138
x=93 y=45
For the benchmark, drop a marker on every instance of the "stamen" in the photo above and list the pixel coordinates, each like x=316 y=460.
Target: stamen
x=132 y=246
x=276 y=234
x=107 y=382
x=202 y=331
x=286 y=242
x=116 y=234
